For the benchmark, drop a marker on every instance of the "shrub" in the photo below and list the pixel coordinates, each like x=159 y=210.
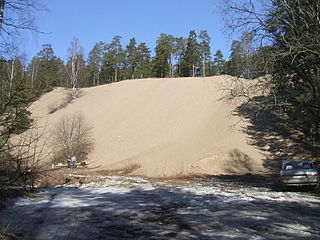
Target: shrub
x=72 y=137
x=23 y=161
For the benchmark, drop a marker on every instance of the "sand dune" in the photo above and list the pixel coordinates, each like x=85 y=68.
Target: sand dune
x=167 y=126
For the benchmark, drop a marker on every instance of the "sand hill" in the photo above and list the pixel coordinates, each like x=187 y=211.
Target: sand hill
x=168 y=127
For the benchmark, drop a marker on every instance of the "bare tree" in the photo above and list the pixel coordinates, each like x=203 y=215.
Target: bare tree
x=17 y=16
x=25 y=159
x=72 y=137
x=1 y=12
x=247 y=16
x=75 y=54
x=250 y=19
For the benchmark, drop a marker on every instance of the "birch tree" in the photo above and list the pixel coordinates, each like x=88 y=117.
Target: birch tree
x=75 y=54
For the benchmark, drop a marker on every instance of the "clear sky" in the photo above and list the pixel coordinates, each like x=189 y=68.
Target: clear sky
x=100 y=20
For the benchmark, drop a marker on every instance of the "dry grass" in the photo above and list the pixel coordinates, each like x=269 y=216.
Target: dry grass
x=5 y=235
x=84 y=175
x=130 y=168
x=59 y=176
x=52 y=108
x=184 y=177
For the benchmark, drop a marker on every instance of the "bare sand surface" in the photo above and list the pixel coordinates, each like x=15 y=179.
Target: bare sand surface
x=169 y=127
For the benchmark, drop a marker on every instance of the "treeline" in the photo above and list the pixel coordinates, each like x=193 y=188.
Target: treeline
x=287 y=34
x=22 y=82
x=112 y=62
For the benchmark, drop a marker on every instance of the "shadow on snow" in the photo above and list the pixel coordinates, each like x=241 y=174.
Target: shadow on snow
x=160 y=214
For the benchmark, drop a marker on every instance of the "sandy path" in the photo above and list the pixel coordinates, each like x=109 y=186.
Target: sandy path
x=167 y=126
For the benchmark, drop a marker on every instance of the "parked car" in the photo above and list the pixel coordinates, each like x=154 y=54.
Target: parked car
x=299 y=172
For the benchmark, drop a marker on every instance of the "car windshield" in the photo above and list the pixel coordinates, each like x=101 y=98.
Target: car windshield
x=298 y=165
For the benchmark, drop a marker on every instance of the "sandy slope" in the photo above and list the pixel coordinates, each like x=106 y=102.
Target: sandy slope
x=168 y=126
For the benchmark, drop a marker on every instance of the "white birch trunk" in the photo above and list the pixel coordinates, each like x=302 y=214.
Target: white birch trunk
x=33 y=74
x=74 y=78
x=11 y=75
x=75 y=53
x=193 y=70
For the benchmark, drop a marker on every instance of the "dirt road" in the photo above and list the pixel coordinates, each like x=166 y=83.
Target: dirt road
x=136 y=208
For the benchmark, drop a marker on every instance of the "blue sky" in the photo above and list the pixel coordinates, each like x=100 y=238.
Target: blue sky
x=100 y=20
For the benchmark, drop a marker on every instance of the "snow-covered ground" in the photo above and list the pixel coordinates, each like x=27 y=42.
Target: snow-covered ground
x=136 y=208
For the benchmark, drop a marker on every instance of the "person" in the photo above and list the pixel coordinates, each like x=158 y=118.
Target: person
x=72 y=162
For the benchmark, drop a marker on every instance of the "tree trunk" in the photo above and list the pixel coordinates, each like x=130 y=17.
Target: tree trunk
x=33 y=74
x=98 y=78
x=1 y=12
x=116 y=75
x=94 y=79
x=193 y=70
x=74 y=78
x=11 y=75
x=171 y=69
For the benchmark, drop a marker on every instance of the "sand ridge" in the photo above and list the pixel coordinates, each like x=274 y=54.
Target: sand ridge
x=169 y=127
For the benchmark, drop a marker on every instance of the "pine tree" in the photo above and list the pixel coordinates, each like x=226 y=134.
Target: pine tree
x=180 y=49
x=95 y=60
x=170 y=44
x=45 y=70
x=218 y=62
x=204 y=48
x=131 y=57
x=190 y=62
x=235 y=65
x=296 y=72
x=15 y=97
x=161 y=61
x=113 y=61
x=143 y=59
